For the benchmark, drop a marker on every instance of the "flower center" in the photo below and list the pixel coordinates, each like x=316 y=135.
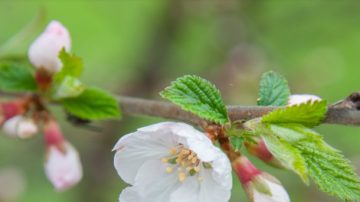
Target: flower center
x=185 y=162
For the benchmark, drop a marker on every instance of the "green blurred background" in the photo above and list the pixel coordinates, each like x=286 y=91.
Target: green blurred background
x=136 y=47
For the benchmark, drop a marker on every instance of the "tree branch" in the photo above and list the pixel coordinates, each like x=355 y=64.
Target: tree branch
x=345 y=112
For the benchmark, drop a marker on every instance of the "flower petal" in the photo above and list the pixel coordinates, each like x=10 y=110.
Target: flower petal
x=211 y=190
x=136 y=148
x=302 y=98
x=129 y=195
x=44 y=51
x=189 y=136
x=188 y=191
x=154 y=184
x=278 y=192
x=64 y=170
x=222 y=170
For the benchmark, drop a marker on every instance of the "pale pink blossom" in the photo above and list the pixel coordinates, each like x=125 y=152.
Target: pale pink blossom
x=44 y=51
x=63 y=167
x=172 y=162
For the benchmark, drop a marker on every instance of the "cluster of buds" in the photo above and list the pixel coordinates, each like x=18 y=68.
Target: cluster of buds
x=25 y=117
x=14 y=120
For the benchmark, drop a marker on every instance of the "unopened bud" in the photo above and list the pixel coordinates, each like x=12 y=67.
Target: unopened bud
x=260 y=150
x=20 y=126
x=53 y=134
x=11 y=109
x=259 y=186
x=63 y=167
x=44 y=51
x=298 y=99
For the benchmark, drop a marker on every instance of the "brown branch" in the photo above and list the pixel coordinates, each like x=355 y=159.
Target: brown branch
x=345 y=112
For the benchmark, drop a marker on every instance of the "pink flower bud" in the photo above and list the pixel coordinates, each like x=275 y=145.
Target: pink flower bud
x=44 y=51
x=53 y=134
x=11 y=109
x=63 y=167
x=20 y=126
x=245 y=170
x=260 y=150
x=259 y=186
x=298 y=99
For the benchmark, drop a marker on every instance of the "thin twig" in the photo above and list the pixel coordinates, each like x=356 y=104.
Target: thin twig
x=345 y=112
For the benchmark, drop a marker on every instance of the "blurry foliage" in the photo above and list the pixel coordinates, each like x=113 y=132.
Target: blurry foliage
x=137 y=47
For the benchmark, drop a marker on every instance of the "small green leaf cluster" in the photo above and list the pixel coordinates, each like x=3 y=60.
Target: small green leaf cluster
x=76 y=98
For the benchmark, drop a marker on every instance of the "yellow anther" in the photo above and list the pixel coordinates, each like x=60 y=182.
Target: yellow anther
x=169 y=169
x=185 y=152
x=182 y=176
x=173 y=151
x=194 y=160
x=164 y=160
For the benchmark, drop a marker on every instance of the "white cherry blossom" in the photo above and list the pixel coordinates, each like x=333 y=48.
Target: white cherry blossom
x=172 y=162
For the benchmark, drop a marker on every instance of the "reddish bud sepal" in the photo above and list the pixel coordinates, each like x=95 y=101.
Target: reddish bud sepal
x=259 y=186
x=260 y=150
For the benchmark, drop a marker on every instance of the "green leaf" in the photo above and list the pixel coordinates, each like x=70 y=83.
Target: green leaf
x=92 y=104
x=274 y=90
x=325 y=165
x=16 y=78
x=199 y=96
x=236 y=142
x=330 y=170
x=283 y=151
x=308 y=114
x=72 y=66
x=69 y=87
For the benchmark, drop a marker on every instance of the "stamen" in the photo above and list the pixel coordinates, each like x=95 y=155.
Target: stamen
x=169 y=169
x=164 y=160
x=173 y=151
x=207 y=165
x=172 y=161
x=192 y=172
x=182 y=176
x=186 y=162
